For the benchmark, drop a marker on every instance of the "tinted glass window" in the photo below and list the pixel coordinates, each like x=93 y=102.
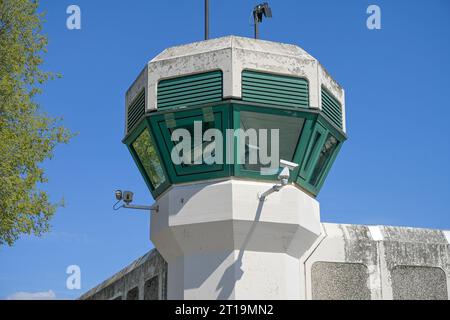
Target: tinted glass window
x=289 y=133
x=324 y=157
x=146 y=151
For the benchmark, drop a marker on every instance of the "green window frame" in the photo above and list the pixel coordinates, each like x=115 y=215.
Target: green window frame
x=307 y=151
x=163 y=124
x=308 y=122
x=155 y=188
x=316 y=142
x=314 y=170
x=325 y=155
x=326 y=170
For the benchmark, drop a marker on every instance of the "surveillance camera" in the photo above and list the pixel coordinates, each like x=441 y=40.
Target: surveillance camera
x=118 y=194
x=284 y=174
x=287 y=164
x=127 y=197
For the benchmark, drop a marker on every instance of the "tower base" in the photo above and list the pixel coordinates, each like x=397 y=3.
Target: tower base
x=221 y=242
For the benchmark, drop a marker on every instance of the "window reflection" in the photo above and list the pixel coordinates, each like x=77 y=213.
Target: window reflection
x=146 y=151
x=289 y=134
x=324 y=157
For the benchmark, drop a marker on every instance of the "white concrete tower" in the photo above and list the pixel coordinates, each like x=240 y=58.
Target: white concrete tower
x=221 y=240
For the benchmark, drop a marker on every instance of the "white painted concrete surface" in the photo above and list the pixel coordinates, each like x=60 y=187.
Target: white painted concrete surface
x=221 y=242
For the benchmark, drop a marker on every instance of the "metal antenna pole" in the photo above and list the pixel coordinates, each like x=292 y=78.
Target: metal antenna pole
x=256 y=28
x=206 y=19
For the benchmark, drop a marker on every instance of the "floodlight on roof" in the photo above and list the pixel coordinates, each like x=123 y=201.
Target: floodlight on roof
x=259 y=11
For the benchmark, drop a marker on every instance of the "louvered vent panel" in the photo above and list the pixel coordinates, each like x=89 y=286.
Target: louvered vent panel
x=190 y=90
x=274 y=89
x=332 y=108
x=136 y=110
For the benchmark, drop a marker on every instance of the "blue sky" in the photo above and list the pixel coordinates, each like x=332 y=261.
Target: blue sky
x=393 y=169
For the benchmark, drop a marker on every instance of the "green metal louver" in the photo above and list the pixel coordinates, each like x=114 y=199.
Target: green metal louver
x=274 y=89
x=136 y=110
x=332 y=108
x=190 y=90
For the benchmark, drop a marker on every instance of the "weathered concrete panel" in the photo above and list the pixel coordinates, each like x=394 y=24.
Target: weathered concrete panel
x=419 y=283
x=343 y=243
x=391 y=255
x=340 y=281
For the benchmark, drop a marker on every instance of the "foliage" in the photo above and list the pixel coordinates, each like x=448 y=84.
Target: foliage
x=28 y=136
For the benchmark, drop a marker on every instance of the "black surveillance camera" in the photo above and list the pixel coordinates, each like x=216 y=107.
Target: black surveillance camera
x=127 y=197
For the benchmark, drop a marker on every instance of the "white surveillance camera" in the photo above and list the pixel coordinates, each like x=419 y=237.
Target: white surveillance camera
x=284 y=176
x=285 y=173
x=127 y=197
x=288 y=164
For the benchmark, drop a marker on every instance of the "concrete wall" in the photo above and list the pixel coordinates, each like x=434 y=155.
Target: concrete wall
x=144 y=279
x=348 y=262
x=379 y=262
